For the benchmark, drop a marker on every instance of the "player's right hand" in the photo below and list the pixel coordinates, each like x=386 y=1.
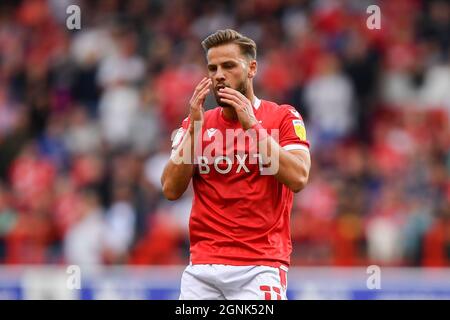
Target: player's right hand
x=197 y=101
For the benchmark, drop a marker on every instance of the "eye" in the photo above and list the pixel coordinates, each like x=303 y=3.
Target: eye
x=228 y=65
x=212 y=68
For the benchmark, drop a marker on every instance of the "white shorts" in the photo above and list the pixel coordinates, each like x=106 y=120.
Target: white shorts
x=226 y=282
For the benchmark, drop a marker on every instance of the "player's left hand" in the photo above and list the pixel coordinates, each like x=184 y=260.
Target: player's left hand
x=241 y=104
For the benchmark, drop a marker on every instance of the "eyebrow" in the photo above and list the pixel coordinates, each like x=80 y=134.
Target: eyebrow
x=225 y=62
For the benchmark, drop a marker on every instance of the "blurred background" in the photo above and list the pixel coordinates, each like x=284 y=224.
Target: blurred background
x=87 y=116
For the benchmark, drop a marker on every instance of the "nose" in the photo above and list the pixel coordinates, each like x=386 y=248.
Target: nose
x=219 y=76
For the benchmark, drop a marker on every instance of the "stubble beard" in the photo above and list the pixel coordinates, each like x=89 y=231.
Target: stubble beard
x=242 y=88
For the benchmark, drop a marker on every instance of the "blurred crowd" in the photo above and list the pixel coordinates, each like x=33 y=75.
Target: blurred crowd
x=87 y=116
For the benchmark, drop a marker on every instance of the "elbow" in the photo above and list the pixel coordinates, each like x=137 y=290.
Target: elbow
x=299 y=184
x=170 y=194
x=168 y=191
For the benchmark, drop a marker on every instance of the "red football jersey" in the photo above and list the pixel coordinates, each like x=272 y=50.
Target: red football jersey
x=240 y=216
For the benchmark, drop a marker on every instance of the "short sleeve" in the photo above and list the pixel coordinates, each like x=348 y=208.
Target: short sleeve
x=292 y=130
x=179 y=134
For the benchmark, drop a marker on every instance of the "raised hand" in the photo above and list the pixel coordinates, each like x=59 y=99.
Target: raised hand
x=197 y=101
x=241 y=105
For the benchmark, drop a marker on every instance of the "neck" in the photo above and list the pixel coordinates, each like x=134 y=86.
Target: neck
x=230 y=113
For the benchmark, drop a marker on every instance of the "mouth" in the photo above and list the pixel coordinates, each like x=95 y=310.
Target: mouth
x=220 y=86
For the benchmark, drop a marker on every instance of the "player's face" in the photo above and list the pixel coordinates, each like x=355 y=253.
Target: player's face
x=227 y=67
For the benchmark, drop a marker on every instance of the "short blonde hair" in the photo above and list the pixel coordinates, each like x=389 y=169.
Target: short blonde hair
x=220 y=37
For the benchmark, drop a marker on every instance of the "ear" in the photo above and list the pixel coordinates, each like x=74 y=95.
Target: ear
x=252 y=69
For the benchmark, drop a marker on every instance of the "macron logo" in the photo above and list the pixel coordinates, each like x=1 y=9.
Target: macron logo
x=211 y=132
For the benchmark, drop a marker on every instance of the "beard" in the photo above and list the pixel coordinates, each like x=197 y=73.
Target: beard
x=241 y=87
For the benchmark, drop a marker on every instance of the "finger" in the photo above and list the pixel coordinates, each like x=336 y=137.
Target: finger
x=207 y=82
x=232 y=103
x=202 y=83
x=202 y=94
x=230 y=97
x=203 y=91
x=236 y=93
x=200 y=97
x=205 y=85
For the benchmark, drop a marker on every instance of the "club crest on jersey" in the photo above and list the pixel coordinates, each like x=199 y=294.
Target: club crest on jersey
x=299 y=128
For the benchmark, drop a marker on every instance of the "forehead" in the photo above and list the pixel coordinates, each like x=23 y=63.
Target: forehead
x=224 y=52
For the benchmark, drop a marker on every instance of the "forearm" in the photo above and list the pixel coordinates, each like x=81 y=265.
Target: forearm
x=179 y=169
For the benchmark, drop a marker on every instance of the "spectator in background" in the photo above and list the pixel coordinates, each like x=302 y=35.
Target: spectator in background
x=419 y=219
x=119 y=225
x=329 y=100
x=119 y=75
x=435 y=94
x=436 y=245
x=31 y=175
x=155 y=164
x=383 y=228
x=88 y=48
x=401 y=60
x=52 y=145
x=8 y=112
x=8 y=219
x=145 y=127
x=82 y=135
x=77 y=98
x=87 y=170
x=84 y=242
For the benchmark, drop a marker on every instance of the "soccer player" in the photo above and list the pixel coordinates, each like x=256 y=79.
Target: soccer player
x=246 y=158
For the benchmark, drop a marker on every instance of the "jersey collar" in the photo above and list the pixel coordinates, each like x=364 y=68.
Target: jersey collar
x=256 y=103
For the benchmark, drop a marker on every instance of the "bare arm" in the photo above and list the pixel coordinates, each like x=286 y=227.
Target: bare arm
x=293 y=166
x=178 y=173
x=179 y=169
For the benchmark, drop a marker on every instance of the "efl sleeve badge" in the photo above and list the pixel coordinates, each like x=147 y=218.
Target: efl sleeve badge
x=300 y=130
